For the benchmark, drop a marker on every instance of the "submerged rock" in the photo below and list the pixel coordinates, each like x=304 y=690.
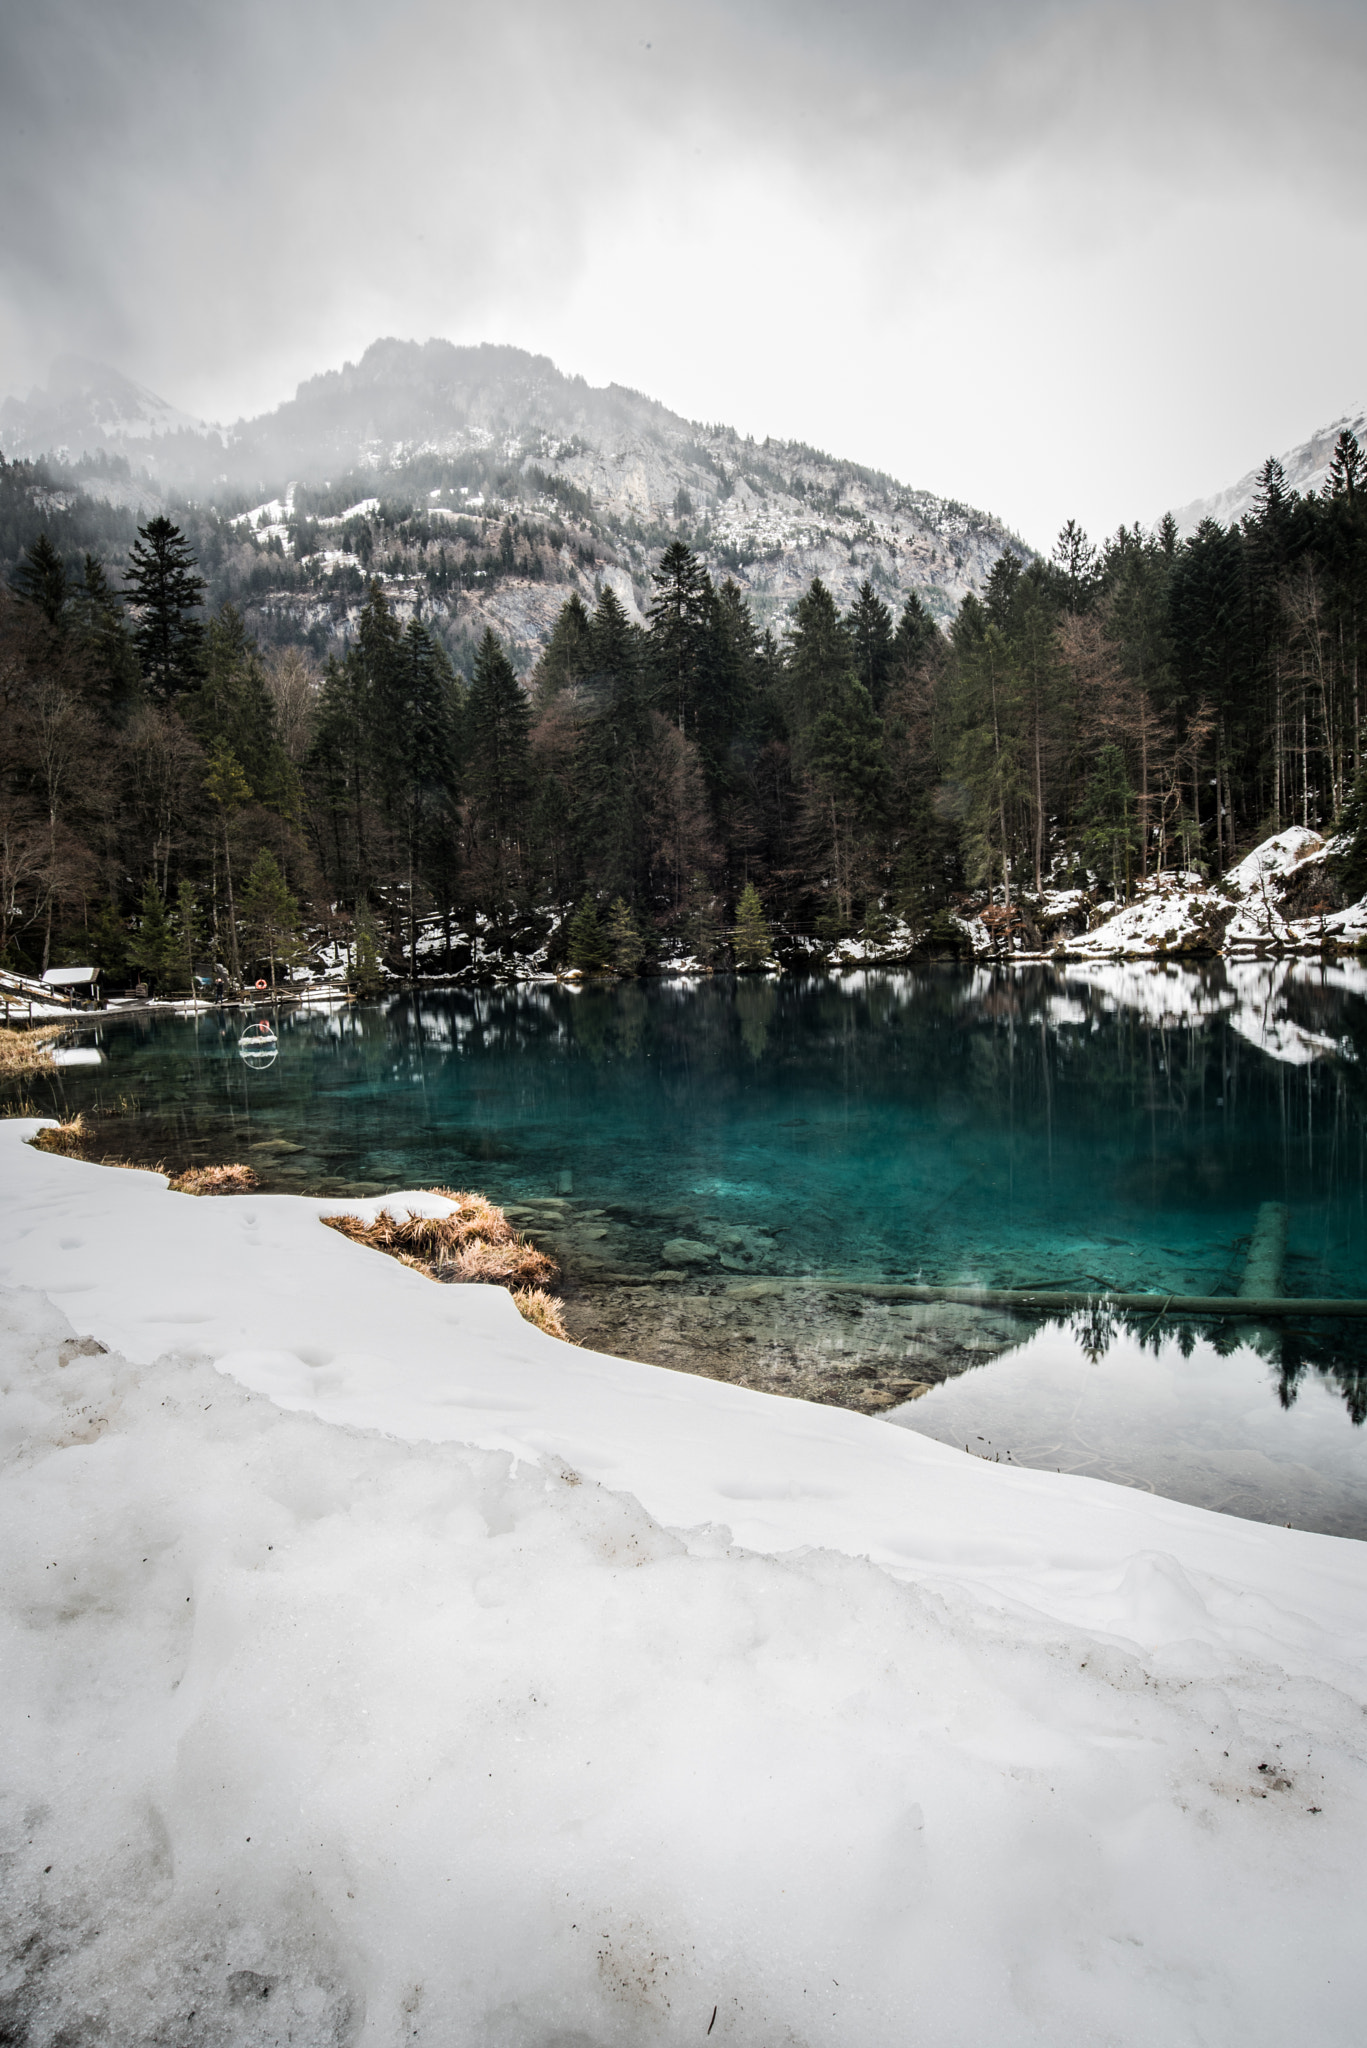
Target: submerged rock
x=846 y=1353
x=687 y=1251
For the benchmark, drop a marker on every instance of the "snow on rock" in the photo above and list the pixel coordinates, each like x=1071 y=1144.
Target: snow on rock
x=1161 y=921
x=1241 y=913
x=379 y=1668
x=1279 y=855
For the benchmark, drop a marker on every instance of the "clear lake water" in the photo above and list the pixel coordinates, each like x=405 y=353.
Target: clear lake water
x=693 y=1151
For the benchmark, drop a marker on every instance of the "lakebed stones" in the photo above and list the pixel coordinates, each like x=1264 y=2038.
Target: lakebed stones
x=709 y=1301
x=687 y=1251
x=735 y=1250
x=843 y=1352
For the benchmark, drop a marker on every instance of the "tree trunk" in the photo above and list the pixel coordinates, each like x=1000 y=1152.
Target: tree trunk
x=233 y=960
x=1143 y=785
x=412 y=917
x=1039 y=811
x=1006 y=862
x=1277 y=753
x=51 y=872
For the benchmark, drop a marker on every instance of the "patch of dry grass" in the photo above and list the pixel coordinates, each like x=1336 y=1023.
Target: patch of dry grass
x=475 y=1243
x=542 y=1309
x=76 y=1140
x=70 y=1139
x=28 y=1052
x=215 y=1180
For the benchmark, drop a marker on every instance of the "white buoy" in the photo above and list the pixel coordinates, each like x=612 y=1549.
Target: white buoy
x=258 y=1046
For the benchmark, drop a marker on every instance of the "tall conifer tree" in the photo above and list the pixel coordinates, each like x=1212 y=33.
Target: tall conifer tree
x=165 y=588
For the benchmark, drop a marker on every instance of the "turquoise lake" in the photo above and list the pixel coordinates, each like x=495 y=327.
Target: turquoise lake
x=689 y=1151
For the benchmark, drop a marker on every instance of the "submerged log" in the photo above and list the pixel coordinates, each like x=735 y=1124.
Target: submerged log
x=1039 y=1301
x=1262 y=1278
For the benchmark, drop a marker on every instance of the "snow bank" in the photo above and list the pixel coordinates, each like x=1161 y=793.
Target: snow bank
x=1241 y=913
x=520 y=1695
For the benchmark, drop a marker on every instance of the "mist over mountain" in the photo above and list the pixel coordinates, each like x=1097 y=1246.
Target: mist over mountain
x=461 y=440
x=1306 y=467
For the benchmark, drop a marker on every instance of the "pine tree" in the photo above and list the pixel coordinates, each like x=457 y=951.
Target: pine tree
x=153 y=946
x=336 y=771
x=870 y=627
x=678 y=634
x=1075 y=560
x=1110 y=835
x=1347 y=476
x=985 y=755
x=751 y=940
x=106 y=940
x=917 y=638
x=623 y=940
x=187 y=930
x=1209 y=620
x=566 y=659
x=616 y=756
x=421 y=760
x=703 y=933
x=98 y=620
x=587 y=950
x=228 y=790
x=1003 y=583
x=820 y=666
x=271 y=914
x=164 y=586
x=497 y=767
x=233 y=703
x=41 y=579
x=366 y=978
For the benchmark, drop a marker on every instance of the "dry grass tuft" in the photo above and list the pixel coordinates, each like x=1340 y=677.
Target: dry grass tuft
x=27 y=1052
x=475 y=1243
x=70 y=1139
x=215 y=1180
x=76 y=1140
x=542 y=1309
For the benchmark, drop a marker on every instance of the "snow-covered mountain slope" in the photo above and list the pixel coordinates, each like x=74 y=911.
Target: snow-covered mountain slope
x=409 y=416
x=88 y=409
x=1306 y=466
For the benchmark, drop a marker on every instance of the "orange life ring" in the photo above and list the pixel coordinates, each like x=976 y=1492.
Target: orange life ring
x=261 y=984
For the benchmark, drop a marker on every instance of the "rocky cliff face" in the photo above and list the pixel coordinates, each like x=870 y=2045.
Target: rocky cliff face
x=493 y=430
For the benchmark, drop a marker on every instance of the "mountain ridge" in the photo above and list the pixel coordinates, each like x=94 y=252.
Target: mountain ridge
x=1306 y=467
x=501 y=430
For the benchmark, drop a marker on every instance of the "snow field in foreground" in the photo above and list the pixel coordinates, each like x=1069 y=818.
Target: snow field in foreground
x=324 y=1737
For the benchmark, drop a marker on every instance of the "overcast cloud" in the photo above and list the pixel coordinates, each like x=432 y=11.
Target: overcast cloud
x=1053 y=256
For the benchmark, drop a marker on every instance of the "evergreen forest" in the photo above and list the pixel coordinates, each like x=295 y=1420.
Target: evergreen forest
x=171 y=791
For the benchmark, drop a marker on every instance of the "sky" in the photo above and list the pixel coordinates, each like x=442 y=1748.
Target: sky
x=1056 y=258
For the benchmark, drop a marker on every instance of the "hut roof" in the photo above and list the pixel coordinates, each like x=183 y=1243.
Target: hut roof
x=71 y=977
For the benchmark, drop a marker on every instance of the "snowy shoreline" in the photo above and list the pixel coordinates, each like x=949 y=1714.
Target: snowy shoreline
x=1248 y=916
x=369 y=1646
